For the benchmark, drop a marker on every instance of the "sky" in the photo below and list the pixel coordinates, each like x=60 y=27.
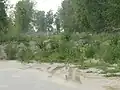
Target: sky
x=45 y=5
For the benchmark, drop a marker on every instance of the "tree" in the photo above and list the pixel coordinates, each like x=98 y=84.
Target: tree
x=57 y=22
x=23 y=15
x=67 y=16
x=95 y=14
x=49 y=21
x=3 y=17
x=81 y=16
x=113 y=14
x=39 y=21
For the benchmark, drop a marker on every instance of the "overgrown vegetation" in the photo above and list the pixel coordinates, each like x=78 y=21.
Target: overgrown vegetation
x=77 y=33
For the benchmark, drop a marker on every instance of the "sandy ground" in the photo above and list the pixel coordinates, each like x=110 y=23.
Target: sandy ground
x=17 y=76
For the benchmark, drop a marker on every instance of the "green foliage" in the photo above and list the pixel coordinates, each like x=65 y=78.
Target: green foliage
x=81 y=16
x=23 y=15
x=57 y=23
x=40 y=21
x=49 y=21
x=25 y=55
x=100 y=52
x=3 y=18
x=67 y=18
x=82 y=31
x=90 y=52
x=11 y=51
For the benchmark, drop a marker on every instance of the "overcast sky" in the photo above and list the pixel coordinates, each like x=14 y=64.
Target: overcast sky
x=45 y=5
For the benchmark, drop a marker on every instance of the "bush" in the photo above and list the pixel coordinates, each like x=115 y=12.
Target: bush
x=11 y=50
x=25 y=55
x=90 y=52
x=72 y=48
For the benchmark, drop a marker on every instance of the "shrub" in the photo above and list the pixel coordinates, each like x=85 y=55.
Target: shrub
x=25 y=55
x=11 y=50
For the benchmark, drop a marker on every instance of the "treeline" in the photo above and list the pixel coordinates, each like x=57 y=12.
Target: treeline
x=90 y=15
x=73 y=16
x=23 y=18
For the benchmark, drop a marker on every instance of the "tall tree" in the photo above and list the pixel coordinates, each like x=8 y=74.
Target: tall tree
x=113 y=14
x=57 y=22
x=49 y=21
x=39 y=21
x=95 y=14
x=23 y=15
x=81 y=16
x=67 y=16
x=3 y=17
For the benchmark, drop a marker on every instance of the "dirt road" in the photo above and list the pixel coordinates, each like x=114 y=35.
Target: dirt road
x=15 y=76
